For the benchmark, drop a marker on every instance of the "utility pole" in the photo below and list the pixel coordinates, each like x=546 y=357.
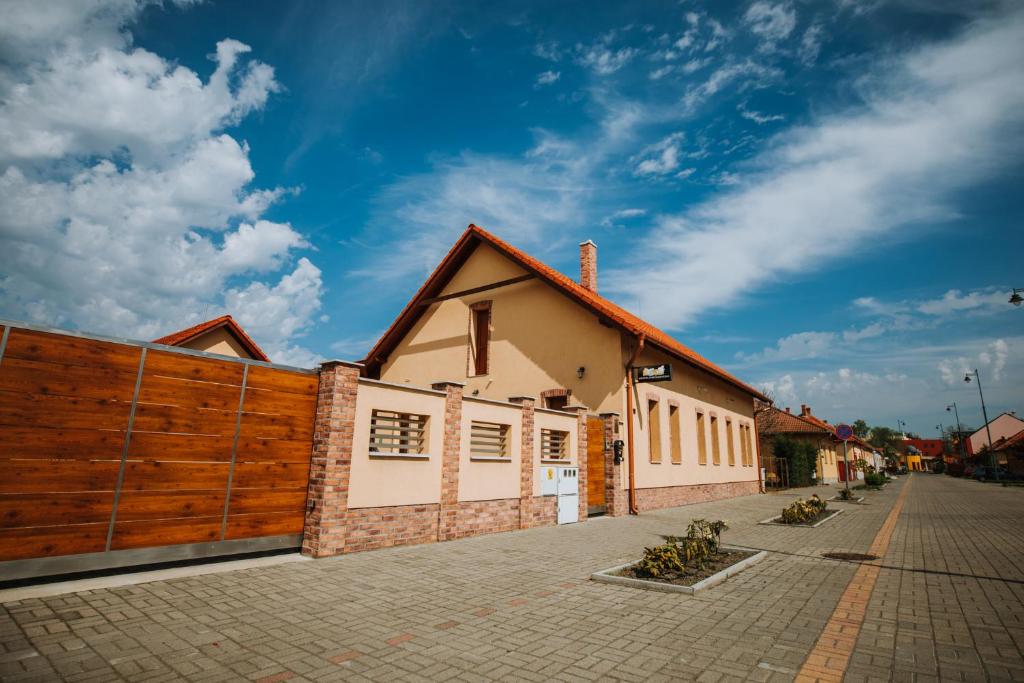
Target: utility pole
x=984 y=416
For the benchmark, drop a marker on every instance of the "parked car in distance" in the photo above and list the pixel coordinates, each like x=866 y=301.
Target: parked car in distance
x=985 y=472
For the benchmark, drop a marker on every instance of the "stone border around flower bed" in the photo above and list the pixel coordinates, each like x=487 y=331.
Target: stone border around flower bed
x=771 y=521
x=610 y=575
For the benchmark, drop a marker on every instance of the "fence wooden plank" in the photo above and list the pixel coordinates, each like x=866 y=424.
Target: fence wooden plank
x=163 y=504
x=54 y=509
x=152 y=533
x=61 y=412
x=170 y=419
x=56 y=476
x=248 y=501
x=264 y=524
x=57 y=348
x=274 y=450
x=261 y=377
x=279 y=403
x=46 y=444
x=181 y=447
x=62 y=379
x=170 y=364
x=276 y=427
x=23 y=544
x=173 y=476
x=270 y=475
x=185 y=393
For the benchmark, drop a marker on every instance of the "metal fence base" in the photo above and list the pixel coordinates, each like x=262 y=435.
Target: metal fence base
x=73 y=564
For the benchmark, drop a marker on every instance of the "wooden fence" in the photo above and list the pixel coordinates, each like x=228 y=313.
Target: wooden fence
x=115 y=452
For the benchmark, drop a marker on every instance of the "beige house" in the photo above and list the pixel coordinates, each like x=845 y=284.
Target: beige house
x=222 y=336
x=505 y=325
x=1004 y=426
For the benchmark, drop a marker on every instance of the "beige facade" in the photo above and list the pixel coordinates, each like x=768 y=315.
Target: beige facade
x=1002 y=427
x=219 y=341
x=542 y=340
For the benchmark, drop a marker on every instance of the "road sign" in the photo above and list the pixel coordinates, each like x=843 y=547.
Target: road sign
x=844 y=432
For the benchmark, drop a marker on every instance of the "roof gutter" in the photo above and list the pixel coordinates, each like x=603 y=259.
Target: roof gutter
x=630 y=388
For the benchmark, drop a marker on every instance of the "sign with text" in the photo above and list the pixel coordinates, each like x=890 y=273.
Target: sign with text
x=653 y=373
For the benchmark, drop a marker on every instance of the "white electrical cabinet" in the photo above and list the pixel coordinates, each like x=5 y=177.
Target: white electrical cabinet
x=548 y=480
x=568 y=495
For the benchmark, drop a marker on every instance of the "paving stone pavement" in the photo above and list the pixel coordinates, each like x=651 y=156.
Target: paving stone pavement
x=519 y=606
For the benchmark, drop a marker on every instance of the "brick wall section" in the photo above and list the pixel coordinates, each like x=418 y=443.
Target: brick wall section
x=526 y=461
x=673 y=496
x=543 y=511
x=331 y=461
x=614 y=495
x=588 y=265
x=383 y=527
x=581 y=456
x=448 y=510
x=475 y=517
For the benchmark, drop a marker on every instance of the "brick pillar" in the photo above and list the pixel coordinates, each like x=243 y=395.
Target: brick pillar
x=581 y=455
x=527 y=459
x=614 y=495
x=448 y=510
x=331 y=462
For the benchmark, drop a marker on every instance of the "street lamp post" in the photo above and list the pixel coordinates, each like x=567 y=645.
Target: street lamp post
x=959 y=431
x=942 y=438
x=984 y=416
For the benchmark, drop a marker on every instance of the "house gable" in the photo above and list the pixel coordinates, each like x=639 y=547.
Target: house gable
x=222 y=336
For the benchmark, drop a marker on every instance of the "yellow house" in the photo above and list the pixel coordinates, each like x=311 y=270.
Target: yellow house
x=505 y=324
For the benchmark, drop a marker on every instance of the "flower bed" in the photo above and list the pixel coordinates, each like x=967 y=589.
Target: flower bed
x=812 y=512
x=688 y=564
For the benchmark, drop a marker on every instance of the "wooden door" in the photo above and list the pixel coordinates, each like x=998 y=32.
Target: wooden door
x=595 y=466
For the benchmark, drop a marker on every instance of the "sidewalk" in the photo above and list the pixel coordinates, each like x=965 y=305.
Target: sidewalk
x=519 y=605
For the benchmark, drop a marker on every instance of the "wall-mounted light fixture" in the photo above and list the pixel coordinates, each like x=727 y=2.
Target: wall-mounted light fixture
x=580 y=371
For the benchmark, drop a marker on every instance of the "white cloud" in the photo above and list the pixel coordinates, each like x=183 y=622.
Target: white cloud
x=603 y=60
x=799 y=346
x=770 y=22
x=614 y=220
x=550 y=51
x=936 y=120
x=810 y=44
x=661 y=158
x=661 y=72
x=749 y=72
x=127 y=208
x=991 y=358
x=758 y=117
x=955 y=301
x=547 y=77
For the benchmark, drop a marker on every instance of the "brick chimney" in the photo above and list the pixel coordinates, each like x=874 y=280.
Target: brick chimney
x=805 y=410
x=787 y=409
x=588 y=265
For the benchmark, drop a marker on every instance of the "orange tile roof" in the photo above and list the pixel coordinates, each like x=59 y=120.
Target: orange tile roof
x=614 y=313
x=775 y=421
x=184 y=336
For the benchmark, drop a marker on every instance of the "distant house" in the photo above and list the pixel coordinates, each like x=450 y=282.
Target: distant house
x=222 y=336
x=1002 y=427
x=773 y=422
x=1010 y=451
x=506 y=325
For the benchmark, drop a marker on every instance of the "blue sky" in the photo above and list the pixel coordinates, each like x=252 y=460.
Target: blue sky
x=822 y=197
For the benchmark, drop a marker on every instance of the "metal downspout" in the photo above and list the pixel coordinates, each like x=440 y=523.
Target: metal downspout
x=629 y=422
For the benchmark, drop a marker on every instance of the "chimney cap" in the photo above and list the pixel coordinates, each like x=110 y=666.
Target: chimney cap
x=586 y=242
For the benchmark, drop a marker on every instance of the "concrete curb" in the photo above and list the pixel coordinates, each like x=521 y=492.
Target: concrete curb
x=609 y=575
x=856 y=501
x=771 y=521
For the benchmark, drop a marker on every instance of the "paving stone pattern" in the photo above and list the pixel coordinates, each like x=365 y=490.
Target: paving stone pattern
x=519 y=606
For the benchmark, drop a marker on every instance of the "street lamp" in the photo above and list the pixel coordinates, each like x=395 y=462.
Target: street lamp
x=959 y=430
x=1016 y=299
x=984 y=415
x=900 y=424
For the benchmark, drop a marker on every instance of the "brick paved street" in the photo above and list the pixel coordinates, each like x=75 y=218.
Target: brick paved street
x=947 y=602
